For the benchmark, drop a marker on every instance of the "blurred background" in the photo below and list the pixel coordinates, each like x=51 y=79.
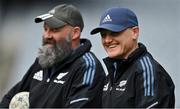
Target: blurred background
x=20 y=37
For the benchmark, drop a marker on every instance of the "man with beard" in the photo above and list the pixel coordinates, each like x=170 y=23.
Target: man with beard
x=66 y=73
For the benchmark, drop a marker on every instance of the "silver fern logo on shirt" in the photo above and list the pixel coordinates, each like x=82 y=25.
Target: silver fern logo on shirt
x=121 y=86
x=59 y=77
x=106 y=87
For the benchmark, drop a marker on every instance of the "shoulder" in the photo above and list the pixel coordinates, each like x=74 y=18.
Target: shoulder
x=150 y=69
x=92 y=64
x=35 y=65
x=90 y=68
x=90 y=59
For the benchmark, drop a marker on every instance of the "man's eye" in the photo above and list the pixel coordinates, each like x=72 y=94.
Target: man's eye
x=103 y=35
x=45 y=29
x=114 y=34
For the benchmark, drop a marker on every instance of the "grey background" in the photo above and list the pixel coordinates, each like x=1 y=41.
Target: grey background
x=20 y=37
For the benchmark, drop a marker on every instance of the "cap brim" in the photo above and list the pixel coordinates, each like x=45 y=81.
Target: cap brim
x=110 y=27
x=51 y=20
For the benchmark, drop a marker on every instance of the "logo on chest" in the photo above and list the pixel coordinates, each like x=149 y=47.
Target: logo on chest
x=121 y=86
x=59 y=78
x=38 y=75
x=106 y=87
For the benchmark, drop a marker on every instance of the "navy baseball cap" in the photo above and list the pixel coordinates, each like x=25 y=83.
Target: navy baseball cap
x=116 y=19
x=61 y=15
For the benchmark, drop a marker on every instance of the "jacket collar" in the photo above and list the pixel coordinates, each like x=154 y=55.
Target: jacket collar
x=85 y=46
x=122 y=64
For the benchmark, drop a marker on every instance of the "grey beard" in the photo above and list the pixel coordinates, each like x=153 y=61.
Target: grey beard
x=48 y=56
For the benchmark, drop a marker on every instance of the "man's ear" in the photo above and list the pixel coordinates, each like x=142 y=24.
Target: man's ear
x=135 y=31
x=76 y=33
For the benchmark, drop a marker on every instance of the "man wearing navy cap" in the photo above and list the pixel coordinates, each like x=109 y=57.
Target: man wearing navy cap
x=66 y=74
x=135 y=79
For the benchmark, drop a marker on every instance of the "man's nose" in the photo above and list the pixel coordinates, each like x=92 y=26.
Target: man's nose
x=107 y=39
x=47 y=36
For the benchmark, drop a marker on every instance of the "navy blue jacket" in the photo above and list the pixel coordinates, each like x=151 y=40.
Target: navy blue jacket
x=137 y=82
x=77 y=82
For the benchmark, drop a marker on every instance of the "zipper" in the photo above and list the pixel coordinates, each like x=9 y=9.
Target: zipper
x=112 y=84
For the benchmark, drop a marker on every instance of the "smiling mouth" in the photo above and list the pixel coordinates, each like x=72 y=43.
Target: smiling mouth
x=111 y=46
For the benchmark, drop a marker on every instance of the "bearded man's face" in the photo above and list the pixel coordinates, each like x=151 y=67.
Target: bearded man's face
x=57 y=52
